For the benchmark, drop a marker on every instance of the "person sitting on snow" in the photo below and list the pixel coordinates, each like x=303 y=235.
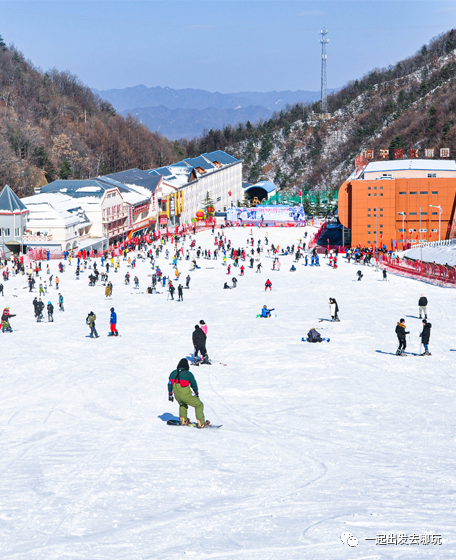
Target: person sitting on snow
x=293 y=268
x=314 y=336
x=226 y=287
x=265 y=312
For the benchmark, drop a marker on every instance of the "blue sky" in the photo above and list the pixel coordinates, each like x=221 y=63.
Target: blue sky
x=224 y=46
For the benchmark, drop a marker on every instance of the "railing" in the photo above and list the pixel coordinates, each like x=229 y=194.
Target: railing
x=439 y=274
x=41 y=238
x=315 y=236
x=423 y=244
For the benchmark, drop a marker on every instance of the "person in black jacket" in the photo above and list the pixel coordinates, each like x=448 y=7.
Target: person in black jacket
x=199 y=343
x=425 y=336
x=422 y=303
x=401 y=332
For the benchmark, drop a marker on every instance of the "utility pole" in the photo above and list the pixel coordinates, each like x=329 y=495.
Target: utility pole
x=324 y=98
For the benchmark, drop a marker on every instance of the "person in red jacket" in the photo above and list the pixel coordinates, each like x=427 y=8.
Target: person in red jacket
x=242 y=270
x=268 y=285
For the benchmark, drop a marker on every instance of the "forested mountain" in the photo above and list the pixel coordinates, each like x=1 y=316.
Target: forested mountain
x=411 y=104
x=51 y=125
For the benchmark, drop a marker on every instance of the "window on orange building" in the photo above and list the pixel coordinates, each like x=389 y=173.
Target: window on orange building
x=434 y=230
x=434 y=213
x=423 y=192
x=412 y=213
x=368 y=215
x=381 y=209
x=381 y=194
x=435 y=192
x=375 y=188
x=424 y=213
x=368 y=194
x=414 y=192
x=368 y=188
x=402 y=193
x=432 y=174
x=381 y=215
x=381 y=188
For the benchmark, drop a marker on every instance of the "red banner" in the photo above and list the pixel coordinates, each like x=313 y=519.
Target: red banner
x=413 y=153
x=398 y=153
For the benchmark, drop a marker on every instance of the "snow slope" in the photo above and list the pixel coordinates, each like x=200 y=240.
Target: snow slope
x=443 y=254
x=316 y=439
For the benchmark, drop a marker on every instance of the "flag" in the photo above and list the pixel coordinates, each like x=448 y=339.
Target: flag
x=444 y=152
x=413 y=153
x=384 y=154
x=369 y=154
x=300 y=193
x=398 y=153
x=429 y=152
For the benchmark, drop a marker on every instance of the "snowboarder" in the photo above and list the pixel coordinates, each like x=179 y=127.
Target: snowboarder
x=61 y=303
x=136 y=281
x=401 y=332
x=267 y=285
x=113 y=323
x=314 y=336
x=265 y=312
x=187 y=282
x=425 y=336
x=91 y=317
x=334 y=309
x=259 y=266
x=179 y=384
x=422 y=303
x=226 y=287
x=199 y=343
x=50 y=310
x=6 y=315
x=384 y=274
x=39 y=306
x=234 y=281
x=359 y=274
x=180 y=292
x=293 y=268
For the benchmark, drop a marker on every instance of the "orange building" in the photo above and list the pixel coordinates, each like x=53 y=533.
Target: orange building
x=402 y=201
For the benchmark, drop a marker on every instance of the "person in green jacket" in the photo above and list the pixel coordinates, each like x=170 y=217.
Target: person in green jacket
x=179 y=384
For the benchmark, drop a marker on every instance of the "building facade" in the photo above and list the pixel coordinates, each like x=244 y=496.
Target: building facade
x=393 y=203
x=13 y=220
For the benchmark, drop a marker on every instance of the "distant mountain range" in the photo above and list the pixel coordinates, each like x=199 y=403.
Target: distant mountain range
x=185 y=113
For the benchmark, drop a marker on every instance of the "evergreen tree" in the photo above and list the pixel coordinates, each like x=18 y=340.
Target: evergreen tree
x=3 y=46
x=208 y=203
x=65 y=169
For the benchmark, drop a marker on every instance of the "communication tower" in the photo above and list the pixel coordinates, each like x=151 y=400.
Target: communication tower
x=324 y=97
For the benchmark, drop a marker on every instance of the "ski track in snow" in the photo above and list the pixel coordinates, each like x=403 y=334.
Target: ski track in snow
x=316 y=439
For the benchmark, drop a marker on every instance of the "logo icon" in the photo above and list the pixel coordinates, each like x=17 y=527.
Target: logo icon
x=348 y=538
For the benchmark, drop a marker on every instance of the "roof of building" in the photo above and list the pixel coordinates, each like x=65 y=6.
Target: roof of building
x=411 y=164
x=10 y=202
x=180 y=173
x=53 y=210
x=266 y=185
x=136 y=178
x=82 y=188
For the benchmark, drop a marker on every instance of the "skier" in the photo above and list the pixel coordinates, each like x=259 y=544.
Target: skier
x=91 y=317
x=171 y=289
x=234 y=281
x=314 y=336
x=1 y=289
x=179 y=384
x=267 y=285
x=199 y=343
x=136 y=281
x=359 y=274
x=6 y=315
x=259 y=265
x=334 y=309
x=384 y=274
x=180 y=292
x=425 y=336
x=61 y=303
x=401 y=332
x=113 y=323
x=187 y=282
x=242 y=270
x=265 y=312
x=422 y=303
x=127 y=278
x=50 y=310
x=39 y=310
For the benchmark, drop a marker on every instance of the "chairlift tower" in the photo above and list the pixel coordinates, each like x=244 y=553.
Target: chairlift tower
x=324 y=97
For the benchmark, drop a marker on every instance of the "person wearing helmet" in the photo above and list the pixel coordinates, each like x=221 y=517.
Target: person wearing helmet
x=113 y=322
x=314 y=336
x=180 y=383
x=6 y=315
x=265 y=312
x=401 y=332
x=50 y=310
x=91 y=318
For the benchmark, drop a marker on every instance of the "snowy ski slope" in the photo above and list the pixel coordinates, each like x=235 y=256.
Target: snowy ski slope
x=317 y=440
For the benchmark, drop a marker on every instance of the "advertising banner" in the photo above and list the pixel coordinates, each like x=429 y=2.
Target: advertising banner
x=263 y=214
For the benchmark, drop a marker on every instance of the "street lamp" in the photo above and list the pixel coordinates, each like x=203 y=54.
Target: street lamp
x=403 y=217
x=440 y=214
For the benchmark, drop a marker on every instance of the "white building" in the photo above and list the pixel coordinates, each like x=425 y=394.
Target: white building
x=55 y=222
x=216 y=173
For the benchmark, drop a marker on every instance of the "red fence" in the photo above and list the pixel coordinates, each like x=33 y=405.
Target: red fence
x=440 y=274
